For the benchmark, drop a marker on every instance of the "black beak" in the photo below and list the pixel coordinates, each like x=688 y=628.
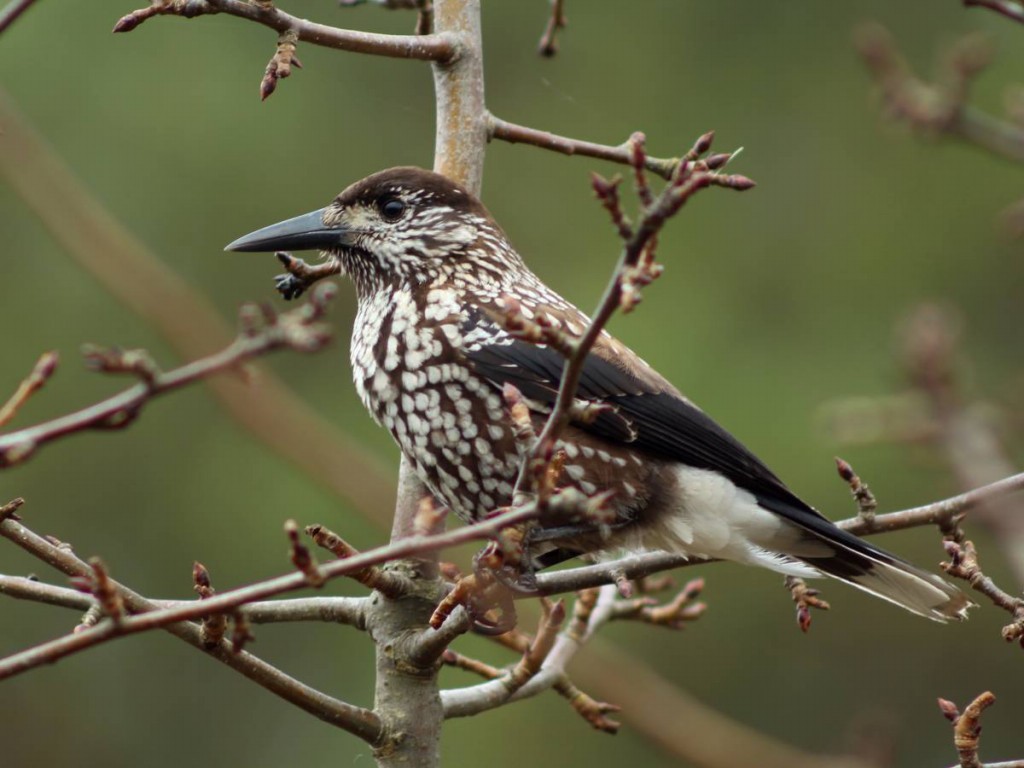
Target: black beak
x=303 y=233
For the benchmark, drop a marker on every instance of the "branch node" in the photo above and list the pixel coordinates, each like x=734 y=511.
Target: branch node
x=9 y=511
x=99 y=585
x=805 y=598
x=280 y=64
x=89 y=619
x=390 y=584
x=241 y=632
x=301 y=557
x=967 y=727
x=136 y=362
x=214 y=626
x=867 y=504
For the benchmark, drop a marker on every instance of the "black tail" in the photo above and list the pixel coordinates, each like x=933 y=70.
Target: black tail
x=885 y=575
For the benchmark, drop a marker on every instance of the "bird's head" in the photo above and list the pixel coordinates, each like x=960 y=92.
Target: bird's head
x=402 y=225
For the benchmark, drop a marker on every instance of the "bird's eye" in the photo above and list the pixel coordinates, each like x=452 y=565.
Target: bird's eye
x=392 y=209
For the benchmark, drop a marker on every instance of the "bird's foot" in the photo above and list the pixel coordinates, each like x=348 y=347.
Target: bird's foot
x=301 y=275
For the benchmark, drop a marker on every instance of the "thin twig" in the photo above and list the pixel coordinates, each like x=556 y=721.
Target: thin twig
x=13 y=10
x=435 y=47
x=1008 y=8
x=41 y=373
x=299 y=330
x=521 y=134
x=548 y=45
x=333 y=610
x=388 y=583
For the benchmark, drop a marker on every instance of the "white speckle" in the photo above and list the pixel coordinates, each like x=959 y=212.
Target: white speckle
x=496 y=431
x=587 y=487
x=575 y=471
x=604 y=456
x=409 y=380
x=588 y=452
x=629 y=488
x=414 y=359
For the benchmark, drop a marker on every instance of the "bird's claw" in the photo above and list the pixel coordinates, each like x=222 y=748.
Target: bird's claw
x=289 y=286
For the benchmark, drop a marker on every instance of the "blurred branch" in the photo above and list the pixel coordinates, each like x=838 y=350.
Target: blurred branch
x=356 y=720
x=435 y=47
x=621 y=154
x=1008 y=8
x=266 y=408
x=939 y=108
x=14 y=9
x=41 y=373
x=298 y=330
x=548 y=45
x=935 y=411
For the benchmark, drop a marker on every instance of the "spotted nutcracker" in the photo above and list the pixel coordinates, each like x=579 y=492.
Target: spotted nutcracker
x=431 y=269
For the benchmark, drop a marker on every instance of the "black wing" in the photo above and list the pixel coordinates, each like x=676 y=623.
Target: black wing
x=659 y=422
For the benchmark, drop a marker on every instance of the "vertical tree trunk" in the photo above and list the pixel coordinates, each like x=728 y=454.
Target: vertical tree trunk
x=407 y=695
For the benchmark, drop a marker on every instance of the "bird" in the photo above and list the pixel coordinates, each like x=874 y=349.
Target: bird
x=433 y=272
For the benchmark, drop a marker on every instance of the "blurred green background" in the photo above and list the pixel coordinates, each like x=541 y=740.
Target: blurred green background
x=773 y=302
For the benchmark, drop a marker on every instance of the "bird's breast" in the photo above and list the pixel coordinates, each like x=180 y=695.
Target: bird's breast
x=411 y=375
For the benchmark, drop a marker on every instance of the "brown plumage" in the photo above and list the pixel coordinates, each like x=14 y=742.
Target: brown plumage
x=432 y=269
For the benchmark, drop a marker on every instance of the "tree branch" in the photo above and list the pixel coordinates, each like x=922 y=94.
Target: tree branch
x=938 y=108
x=937 y=513
x=1008 y=8
x=14 y=9
x=621 y=154
x=434 y=47
x=228 y=601
x=356 y=720
x=40 y=374
x=333 y=610
x=298 y=330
